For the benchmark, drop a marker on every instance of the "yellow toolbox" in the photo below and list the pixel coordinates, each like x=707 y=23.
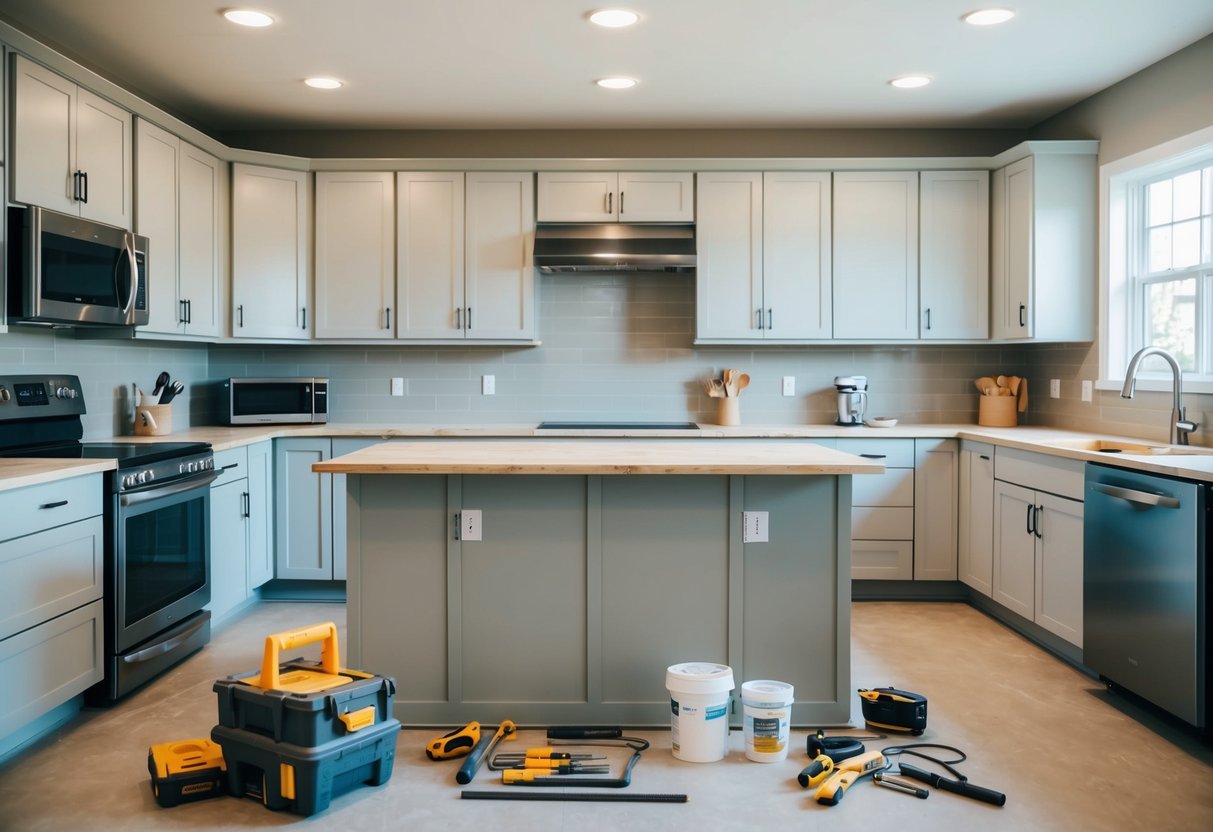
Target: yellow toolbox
x=304 y=703
x=186 y=770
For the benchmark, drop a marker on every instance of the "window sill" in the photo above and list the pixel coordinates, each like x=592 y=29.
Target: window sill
x=1191 y=384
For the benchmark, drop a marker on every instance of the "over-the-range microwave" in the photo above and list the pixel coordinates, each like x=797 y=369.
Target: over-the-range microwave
x=276 y=401
x=69 y=271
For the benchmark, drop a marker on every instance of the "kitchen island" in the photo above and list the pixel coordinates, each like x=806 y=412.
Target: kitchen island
x=554 y=580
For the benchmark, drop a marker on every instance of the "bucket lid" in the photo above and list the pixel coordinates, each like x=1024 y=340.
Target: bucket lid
x=699 y=677
x=766 y=691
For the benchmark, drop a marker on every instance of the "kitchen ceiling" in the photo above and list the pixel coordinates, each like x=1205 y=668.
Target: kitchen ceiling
x=532 y=64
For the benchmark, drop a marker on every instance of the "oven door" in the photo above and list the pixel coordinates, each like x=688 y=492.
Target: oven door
x=162 y=556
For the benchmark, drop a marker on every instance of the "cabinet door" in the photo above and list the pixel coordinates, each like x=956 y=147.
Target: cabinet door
x=876 y=255
x=157 y=154
x=44 y=137
x=259 y=506
x=955 y=254
x=975 y=558
x=656 y=197
x=796 y=255
x=355 y=255
x=303 y=515
x=577 y=196
x=269 y=253
x=103 y=153
x=1014 y=581
x=1012 y=226
x=935 y=502
x=500 y=278
x=429 y=255
x=199 y=238
x=229 y=548
x=728 y=278
x=1059 y=567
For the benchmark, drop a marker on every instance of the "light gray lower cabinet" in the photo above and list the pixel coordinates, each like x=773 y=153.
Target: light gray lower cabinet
x=975 y=555
x=51 y=562
x=584 y=590
x=936 y=496
x=259 y=505
x=241 y=531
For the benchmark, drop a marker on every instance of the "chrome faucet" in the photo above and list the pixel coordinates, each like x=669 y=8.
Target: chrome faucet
x=1180 y=426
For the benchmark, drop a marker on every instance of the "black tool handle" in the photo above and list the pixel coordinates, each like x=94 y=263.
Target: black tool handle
x=960 y=787
x=809 y=772
x=468 y=770
x=584 y=732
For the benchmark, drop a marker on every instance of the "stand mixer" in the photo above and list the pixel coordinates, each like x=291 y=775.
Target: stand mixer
x=852 y=399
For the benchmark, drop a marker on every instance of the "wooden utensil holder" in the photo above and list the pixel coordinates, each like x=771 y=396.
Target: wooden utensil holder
x=997 y=411
x=153 y=419
x=728 y=411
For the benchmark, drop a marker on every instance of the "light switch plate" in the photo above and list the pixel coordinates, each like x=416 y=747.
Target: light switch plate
x=789 y=385
x=756 y=524
x=488 y=385
x=397 y=387
x=1088 y=390
x=1054 y=388
x=469 y=525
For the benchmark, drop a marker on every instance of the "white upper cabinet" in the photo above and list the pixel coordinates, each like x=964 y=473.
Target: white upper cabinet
x=355 y=255
x=499 y=240
x=71 y=149
x=429 y=255
x=270 y=242
x=954 y=254
x=876 y=255
x=764 y=256
x=595 y=196
x=1043 y=241
x=177 y=207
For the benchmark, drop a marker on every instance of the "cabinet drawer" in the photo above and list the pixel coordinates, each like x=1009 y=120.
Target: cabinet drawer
x=47 y=665
x=1042 y=472
x=894 y=453
x=231 y=465
x=49 y=573
x=895 y=487
x=50 y=504
x=869 y=523
x=882 y=560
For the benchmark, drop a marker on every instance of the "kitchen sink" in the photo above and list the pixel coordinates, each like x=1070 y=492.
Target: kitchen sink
x=1120 y=446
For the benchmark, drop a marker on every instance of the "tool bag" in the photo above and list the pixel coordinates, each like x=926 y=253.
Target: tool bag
x=890 y=709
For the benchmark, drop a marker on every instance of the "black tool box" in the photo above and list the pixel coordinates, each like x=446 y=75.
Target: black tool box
x=305 y=779
x=304 y=703
x=186 y=770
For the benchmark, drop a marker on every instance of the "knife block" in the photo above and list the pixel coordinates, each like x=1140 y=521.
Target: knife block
x=997 y=411
x=153 y=419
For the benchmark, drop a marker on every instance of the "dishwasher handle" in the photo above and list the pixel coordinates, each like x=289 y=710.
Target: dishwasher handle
x=1143 y=498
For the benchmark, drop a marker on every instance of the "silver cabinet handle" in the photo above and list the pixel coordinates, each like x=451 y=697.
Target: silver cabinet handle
x=387 y=318
x=758 y=312
x=928 y=317
x=770 y=318
x=1143 y=498
x=621 y=203
x=240 y=316
x=459 y=317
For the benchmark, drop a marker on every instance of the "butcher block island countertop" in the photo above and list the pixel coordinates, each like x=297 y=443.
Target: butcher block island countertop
x=553 y=581
x=600 y=456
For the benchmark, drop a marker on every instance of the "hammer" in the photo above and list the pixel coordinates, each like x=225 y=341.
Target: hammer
x=472 y=764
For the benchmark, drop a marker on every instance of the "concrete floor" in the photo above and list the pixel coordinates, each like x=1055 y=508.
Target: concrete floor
x=1068 y=755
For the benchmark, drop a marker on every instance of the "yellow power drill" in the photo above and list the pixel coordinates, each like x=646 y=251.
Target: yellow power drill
x=847 y=772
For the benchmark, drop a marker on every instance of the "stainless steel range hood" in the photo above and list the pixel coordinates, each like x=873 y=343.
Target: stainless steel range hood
x=614 y=247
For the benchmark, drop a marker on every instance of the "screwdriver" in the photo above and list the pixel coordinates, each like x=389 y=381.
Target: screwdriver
x=455 y=744
x=529 y=775
x=900 y=785
x=816 y=771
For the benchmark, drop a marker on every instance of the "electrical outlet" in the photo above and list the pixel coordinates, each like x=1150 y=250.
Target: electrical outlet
x=397 y=387
x=1088 y=390
x=488 y=385
x=1054 y=388
x=789 y=385
x=469 y=524
x=756 y=524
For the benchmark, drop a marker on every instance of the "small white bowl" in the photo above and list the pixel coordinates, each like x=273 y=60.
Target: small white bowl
x=880 y=422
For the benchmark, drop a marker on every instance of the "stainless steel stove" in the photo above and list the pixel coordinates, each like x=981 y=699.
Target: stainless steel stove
x=157 y=525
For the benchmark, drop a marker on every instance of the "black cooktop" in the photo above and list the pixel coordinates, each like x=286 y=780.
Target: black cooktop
x=128 y=454
x=618 y=426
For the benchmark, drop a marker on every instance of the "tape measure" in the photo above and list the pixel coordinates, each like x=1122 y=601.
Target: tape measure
x=890 y=709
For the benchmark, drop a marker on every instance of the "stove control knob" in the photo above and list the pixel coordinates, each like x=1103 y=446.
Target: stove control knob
x=181 y=468
x=5 y=395
x=129 y=481
x=65 y=393
x=141 y=477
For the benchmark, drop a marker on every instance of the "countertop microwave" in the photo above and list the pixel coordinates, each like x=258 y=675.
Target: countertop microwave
x=69 y=271
x=276 y=401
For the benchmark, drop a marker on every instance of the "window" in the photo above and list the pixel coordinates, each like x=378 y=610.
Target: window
x=1158 y=261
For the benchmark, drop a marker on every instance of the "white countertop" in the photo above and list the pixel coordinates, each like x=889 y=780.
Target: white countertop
x=15 y=473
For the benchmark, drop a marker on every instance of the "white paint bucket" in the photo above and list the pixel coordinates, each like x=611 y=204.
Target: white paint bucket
x=699 y=710
x=767 y=714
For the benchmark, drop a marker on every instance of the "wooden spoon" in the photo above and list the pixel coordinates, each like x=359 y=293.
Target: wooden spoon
x=743 y=381
x=730 y=385
x=983 y=384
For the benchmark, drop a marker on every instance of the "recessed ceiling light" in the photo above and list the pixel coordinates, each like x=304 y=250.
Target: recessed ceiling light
x=323 y=83
x=614 y=18
x=988 y=17
x=909 y=82
x=248 y=17
x=616 y=83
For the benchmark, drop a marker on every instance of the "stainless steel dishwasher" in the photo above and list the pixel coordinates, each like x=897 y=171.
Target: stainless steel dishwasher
x=1145 y=588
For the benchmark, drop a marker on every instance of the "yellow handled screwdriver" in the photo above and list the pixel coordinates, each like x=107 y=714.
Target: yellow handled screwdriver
x=846 y=773
x=816 y=771
x=459 y=742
